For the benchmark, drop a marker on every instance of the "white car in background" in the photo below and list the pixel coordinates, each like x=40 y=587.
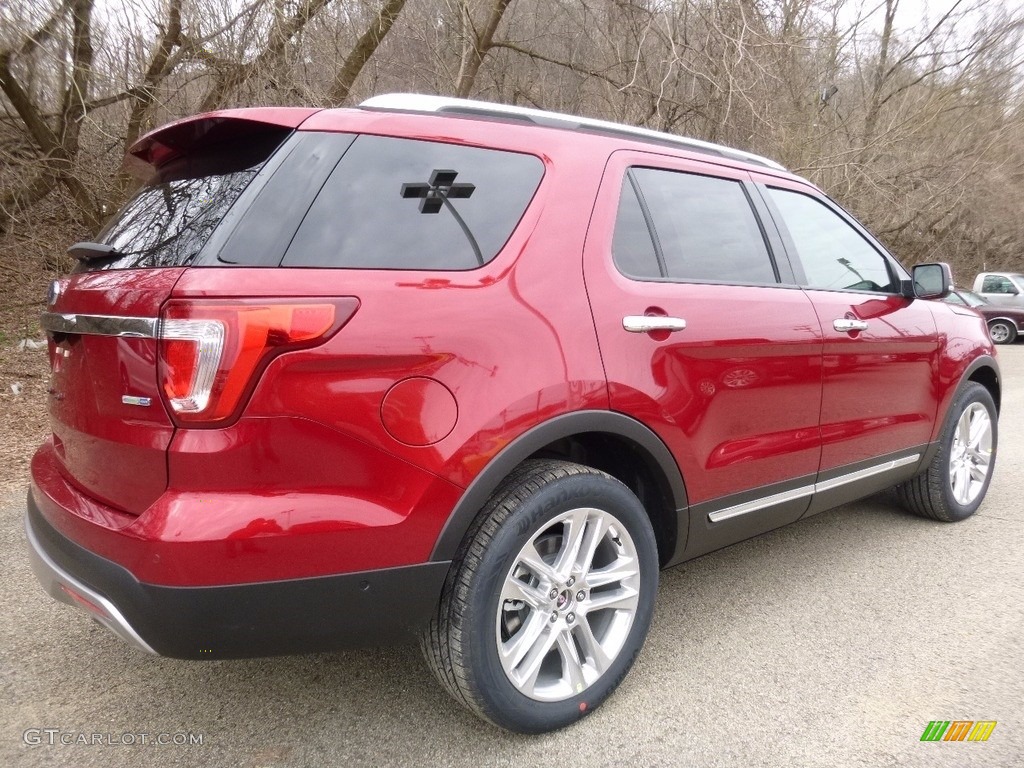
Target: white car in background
x=1001 y=287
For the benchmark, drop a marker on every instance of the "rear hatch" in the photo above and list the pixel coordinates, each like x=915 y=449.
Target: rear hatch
x=110 y=421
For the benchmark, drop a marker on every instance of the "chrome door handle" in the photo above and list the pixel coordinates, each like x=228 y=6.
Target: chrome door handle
x=845 y=325
x=648 y=323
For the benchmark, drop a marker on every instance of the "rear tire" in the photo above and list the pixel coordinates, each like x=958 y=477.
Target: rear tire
x=548 y=600
x=1002 y=332
x=954 y=484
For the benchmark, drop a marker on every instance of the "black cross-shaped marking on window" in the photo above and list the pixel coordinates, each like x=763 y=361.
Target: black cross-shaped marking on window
x=441 y=186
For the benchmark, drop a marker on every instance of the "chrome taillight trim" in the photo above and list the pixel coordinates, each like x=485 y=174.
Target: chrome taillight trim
x=208 y=335
x=100 y=325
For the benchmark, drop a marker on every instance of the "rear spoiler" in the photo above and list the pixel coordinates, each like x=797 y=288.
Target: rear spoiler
x=169 y=141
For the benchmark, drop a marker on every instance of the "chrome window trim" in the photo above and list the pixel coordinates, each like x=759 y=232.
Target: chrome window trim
x=100 y=325
x=807 y=490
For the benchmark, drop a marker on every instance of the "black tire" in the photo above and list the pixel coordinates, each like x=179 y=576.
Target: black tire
x=932 y=493
x=461 y=642
x=1002 y=331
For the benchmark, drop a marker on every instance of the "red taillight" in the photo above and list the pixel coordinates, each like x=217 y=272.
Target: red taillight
x=212 y=351
x=179 y=359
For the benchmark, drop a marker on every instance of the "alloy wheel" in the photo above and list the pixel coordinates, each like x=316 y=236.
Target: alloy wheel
x=970 y=454
x=567 y=604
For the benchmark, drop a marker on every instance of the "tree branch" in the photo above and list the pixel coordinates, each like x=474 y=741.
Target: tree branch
x=45 y=32
x=558 y=62
x=280 y=35
x=481 y=45
x=145 y=93
x=27 y=109
x=364 y=49
x=30 y=192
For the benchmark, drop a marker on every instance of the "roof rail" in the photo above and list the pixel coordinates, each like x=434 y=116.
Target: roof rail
x=416 y=102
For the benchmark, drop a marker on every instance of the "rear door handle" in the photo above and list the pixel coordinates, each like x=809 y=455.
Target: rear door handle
x=845 y=325
x=649 y=323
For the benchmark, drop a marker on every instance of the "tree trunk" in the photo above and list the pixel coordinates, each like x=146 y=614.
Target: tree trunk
x=364 y=49
x=479 y=46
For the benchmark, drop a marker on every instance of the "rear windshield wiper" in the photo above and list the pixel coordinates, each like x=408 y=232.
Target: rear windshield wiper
x=93 y=251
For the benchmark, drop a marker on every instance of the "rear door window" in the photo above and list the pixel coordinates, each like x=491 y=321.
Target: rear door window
x=420 y=205
x=703 y=229
x=633 y=246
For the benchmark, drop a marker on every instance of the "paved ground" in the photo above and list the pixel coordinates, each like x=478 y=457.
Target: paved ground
x=831 y=642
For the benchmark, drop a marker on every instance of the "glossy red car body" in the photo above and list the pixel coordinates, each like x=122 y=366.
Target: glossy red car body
x=357 y=465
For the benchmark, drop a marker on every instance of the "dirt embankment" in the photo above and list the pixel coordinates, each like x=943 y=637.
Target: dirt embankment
x=24 y=377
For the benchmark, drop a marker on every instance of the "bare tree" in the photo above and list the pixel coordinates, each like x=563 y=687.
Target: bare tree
x=54 y=139
x=917 y=128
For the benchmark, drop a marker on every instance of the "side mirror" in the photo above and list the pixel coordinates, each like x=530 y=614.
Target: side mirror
x=931 y=281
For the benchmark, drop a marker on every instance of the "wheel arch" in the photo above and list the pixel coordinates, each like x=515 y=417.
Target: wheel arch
x=1001 y=319
x=605 y=440
x=985 y=371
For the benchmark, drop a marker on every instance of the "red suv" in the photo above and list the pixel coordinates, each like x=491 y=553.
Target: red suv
x=474 y=373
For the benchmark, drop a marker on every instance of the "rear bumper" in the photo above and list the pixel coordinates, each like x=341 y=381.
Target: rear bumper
x=239 y=620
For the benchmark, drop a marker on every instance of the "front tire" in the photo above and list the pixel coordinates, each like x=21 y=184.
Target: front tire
x=954 y=484
x=1002 y=332
x=549 y=599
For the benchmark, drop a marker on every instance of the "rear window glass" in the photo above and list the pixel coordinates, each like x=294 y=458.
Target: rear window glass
x=420 y=205
x=169 y=220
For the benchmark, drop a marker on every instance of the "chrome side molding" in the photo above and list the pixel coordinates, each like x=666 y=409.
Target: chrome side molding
x=756 y=504
x=807 y=490
x=852 y=477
